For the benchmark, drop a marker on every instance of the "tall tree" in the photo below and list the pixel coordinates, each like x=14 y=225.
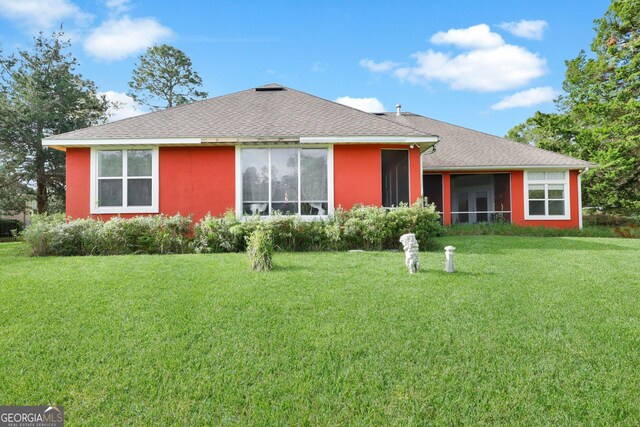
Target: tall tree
x=163 y=77
x=42 y=95
x=598 y=114
x=15 y=195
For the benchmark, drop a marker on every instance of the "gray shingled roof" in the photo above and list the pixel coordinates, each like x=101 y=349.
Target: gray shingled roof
x=285 y=113
x=460 y=147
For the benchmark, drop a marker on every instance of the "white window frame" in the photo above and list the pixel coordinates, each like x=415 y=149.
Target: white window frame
x=546 y=183
x=330 y=192
x=155 y=182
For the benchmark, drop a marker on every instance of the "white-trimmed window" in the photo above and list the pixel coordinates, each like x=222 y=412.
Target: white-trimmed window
x=546 y=195
x=291 y=181
x=124 y=180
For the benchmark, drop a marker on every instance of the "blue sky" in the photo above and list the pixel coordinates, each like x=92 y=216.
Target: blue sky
x=486 y=65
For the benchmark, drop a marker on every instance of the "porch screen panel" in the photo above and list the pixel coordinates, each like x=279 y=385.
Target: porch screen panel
x=480 y=198
x=502 y=191
x=395 y=177
x=432 y=186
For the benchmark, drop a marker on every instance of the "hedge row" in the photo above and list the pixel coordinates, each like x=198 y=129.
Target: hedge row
x=363 y=227
x=158 y=234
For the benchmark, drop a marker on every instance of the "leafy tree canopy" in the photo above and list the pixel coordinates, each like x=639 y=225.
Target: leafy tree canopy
x=598 y=115
x=41 y=95
x=164 y=77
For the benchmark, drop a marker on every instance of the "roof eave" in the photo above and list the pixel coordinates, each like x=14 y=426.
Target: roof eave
x=506 y=167
x=62 y=144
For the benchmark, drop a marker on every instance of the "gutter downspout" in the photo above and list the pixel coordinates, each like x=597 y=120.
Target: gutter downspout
x=580 y=197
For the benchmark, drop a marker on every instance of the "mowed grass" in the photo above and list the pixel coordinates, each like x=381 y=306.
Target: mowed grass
x=528 y=331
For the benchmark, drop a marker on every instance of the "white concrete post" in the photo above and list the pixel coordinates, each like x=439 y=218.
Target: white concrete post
x=448 y=258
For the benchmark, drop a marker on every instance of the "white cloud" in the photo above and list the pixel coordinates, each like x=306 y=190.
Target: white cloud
x=120 y=38
x=487 y=63
x=476 y=37
x=42 y=15
x=125 y=106
x=526 y=98
x=370 y=105
x=527 y=29
x=118 y=6
x=484 y=70
x=378 y=67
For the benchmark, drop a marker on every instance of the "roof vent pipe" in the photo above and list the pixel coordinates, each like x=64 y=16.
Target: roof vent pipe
x=398 y=107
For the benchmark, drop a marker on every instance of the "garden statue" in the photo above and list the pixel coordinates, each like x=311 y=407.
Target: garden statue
x=448 y=258
x=411 y=256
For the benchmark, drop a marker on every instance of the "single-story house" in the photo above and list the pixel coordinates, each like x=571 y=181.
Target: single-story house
x=273 y=148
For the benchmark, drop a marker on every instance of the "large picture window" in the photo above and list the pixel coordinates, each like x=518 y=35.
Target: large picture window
x=291 y=181
x=547 y=195
x=124 y=180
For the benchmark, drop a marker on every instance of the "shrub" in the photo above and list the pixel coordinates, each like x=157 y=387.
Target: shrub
x=506 y=229
x=159 y=234
x=41 y=234
x=363 y=227
x=373 y=228
x=260 y=249
x=224 y=234
x=10 y=226
x=611 y=218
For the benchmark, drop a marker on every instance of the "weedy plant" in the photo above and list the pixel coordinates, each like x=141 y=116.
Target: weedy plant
x=260 y=249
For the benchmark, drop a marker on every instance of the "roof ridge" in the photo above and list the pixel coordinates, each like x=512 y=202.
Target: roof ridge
x=359 y=111
x=385 y=117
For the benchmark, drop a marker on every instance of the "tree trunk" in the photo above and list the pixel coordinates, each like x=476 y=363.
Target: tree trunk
x=42 y=200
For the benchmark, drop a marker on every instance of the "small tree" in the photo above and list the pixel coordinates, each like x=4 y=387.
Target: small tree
x=41 y=95
x=163 y=78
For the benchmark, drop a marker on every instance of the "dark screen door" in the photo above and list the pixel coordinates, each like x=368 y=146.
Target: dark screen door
x=395 y=177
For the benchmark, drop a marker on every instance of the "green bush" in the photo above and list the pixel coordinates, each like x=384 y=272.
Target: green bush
x=158 y=234
x=506 y=229
x=363 y=227
x=611 y=218
x=10 y=226
x=224 y=234
x=260 y=249
x=373 y=228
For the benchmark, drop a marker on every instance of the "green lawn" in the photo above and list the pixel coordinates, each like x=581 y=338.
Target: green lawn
x=528 y=331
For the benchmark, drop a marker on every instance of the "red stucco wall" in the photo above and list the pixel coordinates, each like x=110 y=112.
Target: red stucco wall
x=197 y=180
x=358 y=174
x=517 y=203
x=78 y=181
x=193 y=180
x=517 y=200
